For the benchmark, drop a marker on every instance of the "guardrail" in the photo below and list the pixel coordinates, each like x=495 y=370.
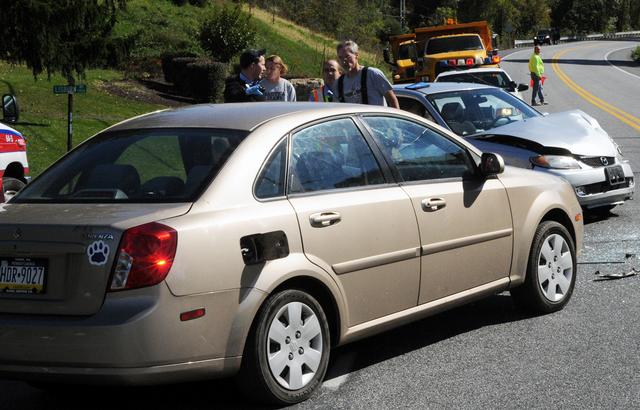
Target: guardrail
x=599 y=36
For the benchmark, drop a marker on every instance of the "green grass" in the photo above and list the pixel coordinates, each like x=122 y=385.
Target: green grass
x=43 y=115
x=636 y=54
x=302 y=60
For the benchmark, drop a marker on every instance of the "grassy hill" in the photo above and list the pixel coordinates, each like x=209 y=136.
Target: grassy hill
x=154 y=27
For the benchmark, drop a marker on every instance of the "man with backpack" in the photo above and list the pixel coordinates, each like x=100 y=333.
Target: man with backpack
x=359 y=84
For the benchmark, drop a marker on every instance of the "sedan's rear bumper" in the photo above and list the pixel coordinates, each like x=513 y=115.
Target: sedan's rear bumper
x=137 y=337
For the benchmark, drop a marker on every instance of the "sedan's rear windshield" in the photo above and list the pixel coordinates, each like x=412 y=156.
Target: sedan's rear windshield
x=454 y=43
x=149 y=165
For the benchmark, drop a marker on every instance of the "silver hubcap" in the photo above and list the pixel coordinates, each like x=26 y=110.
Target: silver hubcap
x=294 y=345
x=555 y=268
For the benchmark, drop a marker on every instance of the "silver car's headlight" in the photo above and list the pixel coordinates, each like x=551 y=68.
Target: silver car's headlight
x=555 y=162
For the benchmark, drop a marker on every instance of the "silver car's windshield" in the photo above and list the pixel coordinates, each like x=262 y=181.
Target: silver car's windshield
x=468 y=112
x=150 y=165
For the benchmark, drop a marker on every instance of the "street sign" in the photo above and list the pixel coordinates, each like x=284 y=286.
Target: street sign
x=70 y=89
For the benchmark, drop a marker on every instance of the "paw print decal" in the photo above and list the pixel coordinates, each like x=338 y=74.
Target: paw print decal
x=98 y=253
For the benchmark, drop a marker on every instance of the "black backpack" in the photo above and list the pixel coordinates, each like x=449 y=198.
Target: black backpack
x=363 y=87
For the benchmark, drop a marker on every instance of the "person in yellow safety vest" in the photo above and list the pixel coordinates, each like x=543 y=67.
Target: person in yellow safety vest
x=536 y=68
x=331 y=71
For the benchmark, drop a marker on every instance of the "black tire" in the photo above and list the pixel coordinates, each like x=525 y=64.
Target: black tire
x=256 y=377
x=11 y=186
x=546 y=294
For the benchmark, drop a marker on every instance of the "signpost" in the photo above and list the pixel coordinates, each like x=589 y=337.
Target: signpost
x=70 y=90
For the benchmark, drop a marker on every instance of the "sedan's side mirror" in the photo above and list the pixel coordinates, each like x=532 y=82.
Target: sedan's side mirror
x=491 y=164
x=523 y=87
x=10 y=111
x=513 y=85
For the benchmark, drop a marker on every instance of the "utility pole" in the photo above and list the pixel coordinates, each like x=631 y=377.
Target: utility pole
x=403 y=13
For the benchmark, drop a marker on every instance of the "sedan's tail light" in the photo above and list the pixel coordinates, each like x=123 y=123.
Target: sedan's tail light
x=145 y=256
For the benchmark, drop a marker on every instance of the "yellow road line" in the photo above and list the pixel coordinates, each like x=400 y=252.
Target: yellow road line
x=623 y=116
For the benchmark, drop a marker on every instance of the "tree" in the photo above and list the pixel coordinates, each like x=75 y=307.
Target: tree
x=56 y=36
x=227 y=32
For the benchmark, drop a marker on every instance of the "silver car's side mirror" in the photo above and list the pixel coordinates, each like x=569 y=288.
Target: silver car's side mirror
x=491 y=164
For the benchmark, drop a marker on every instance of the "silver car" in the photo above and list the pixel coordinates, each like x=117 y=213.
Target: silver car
x=249 y=239
x=568 y=144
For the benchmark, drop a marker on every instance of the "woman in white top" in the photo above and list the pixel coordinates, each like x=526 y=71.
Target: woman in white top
x=277 y=88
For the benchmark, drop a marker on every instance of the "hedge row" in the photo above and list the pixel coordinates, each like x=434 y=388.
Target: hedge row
x=200 y=78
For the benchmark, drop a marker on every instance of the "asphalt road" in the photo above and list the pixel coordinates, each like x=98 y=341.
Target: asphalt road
x=488 y=354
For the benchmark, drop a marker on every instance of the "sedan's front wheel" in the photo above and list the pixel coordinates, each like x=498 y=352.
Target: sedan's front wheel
x=551 y=271
x=287 y=352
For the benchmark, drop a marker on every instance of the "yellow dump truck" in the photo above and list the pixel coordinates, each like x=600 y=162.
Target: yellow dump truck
x=428 y=51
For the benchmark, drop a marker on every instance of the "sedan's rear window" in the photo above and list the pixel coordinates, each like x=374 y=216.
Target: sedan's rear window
x=151 y=165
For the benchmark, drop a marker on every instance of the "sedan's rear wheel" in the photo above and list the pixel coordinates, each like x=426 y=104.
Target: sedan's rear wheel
x=287 y=353
x=551 y=271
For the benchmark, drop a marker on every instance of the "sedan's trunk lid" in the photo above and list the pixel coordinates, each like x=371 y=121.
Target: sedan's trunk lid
x=57 y=258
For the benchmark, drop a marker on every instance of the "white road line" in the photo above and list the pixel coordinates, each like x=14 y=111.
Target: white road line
x=335 y=383
x=606 y=58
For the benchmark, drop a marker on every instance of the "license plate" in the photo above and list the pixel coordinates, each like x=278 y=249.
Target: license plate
x=23 y=275
x=615 y=175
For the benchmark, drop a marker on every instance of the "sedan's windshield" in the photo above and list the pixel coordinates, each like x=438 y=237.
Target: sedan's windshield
x=151 y=165
x=454 y=43
x=469 y=112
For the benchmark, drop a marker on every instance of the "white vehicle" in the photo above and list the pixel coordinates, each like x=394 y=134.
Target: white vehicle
x=496 y=77
x=14 y=167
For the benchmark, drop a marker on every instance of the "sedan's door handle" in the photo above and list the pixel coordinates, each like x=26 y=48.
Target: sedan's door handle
x=324 y=219
x=433 y=204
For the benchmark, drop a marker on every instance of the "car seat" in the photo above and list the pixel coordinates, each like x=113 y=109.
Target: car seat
x=111 y=176
x=317 y=170
x=453 y=114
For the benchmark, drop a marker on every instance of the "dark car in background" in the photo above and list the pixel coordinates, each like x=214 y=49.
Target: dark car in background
x=546 y=36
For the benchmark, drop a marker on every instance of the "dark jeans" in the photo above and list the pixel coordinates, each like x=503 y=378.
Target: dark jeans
x=537 y=89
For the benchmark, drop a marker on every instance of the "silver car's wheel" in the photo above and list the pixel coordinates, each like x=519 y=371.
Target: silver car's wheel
x=294 y=345
x=555 y=268
x=551 y=270
x=287 y=352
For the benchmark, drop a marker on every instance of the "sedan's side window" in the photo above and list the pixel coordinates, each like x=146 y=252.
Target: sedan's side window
x=270 y=183
x=418 y=152
x=331 y=155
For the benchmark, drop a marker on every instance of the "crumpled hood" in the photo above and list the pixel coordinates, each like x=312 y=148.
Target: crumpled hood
x=573 y=130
